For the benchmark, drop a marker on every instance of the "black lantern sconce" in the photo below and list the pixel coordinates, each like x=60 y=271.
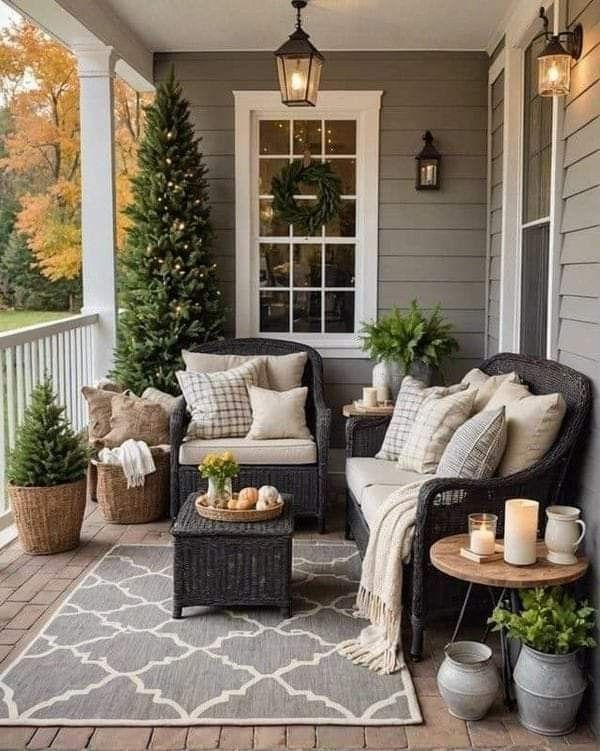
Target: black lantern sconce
x=299 y=65
x=428 y=165
x=554 y=63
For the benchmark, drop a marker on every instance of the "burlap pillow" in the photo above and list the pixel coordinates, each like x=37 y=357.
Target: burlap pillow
x=99 y=409
x=166 y=401
x=138 y=419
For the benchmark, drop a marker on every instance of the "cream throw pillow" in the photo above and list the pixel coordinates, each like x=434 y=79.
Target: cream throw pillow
x=277 y=372
x=533 y=422
x=486 y=385
x=278 y=414
x=436 y=421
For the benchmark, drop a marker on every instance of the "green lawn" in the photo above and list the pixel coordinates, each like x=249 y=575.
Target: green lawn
x=17 y=319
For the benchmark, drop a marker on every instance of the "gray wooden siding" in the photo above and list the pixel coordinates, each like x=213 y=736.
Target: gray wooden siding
x=495 y=214
x=579 y=332
x=431 y=244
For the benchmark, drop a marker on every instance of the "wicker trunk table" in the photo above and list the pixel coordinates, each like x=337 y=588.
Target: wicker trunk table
x=232 y=564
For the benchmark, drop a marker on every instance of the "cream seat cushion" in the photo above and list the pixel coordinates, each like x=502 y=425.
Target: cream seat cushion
x=374 y=496
x=532 y=422
x=365 y=471
x=247 y=451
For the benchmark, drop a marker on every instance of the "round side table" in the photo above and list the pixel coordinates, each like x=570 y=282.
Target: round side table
x=445 y=556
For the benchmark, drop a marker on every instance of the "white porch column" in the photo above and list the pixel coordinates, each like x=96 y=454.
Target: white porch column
x=98 y=219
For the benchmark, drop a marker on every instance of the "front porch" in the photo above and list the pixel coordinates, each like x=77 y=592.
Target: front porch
x=508 y=246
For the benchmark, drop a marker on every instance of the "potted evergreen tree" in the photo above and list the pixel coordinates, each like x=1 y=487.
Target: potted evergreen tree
x=46 y=473
x=411 y=342
x=549 y=682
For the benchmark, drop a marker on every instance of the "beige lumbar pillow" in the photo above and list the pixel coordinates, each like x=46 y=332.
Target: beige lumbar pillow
x=486 y=385
x=278 y=414
x=436 y=422
x=167 y=401
x=277 y=372
x=533 y=422
x=136 y=418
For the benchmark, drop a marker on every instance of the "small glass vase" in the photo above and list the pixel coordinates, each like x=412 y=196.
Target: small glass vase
x=219 y=491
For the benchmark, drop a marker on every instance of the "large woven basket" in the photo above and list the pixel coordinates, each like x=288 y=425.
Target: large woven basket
x=48 y=519
x=146 y=503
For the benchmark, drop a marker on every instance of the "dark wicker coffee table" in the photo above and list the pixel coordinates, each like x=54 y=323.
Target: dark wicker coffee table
x=232 y=564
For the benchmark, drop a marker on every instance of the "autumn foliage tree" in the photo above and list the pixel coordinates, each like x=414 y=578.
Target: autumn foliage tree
x=39 y=83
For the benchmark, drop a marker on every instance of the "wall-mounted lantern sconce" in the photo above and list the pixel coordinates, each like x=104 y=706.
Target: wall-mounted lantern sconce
x=554 y=63
x=299 y=65
x=428 y=165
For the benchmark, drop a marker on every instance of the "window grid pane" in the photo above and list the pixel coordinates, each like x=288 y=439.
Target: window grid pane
x=314 y=291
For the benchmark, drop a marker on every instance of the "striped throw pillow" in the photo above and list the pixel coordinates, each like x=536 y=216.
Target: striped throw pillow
x=436 y=421
x=411 y=396
x=219 y=402
x=475 y=450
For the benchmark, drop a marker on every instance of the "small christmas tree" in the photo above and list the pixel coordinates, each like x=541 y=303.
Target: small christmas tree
x=168 y=285
x=47 y=451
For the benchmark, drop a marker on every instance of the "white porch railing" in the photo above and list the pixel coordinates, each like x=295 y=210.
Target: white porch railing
x=62 y=349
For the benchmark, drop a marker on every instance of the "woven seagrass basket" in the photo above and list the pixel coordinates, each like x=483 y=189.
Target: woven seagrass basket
x=48 y=519
x=146 y=503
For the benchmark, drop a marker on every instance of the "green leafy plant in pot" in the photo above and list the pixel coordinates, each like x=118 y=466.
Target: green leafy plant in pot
x=412 y=342
x=46 y=473
x=549 y=682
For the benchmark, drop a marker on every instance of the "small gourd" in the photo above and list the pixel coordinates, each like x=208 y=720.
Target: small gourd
x=247 y=498
x=268 y=495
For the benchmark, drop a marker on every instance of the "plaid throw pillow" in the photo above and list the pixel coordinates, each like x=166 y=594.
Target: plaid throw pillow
x=475 y=450
x=410 y=398
x=434 y=426
x=219 y=402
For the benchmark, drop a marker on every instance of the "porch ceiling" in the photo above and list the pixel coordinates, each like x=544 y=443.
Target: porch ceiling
x=213 y=25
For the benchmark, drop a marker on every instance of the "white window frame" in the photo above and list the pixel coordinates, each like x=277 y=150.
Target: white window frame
x=519 y=30
x=364 y=106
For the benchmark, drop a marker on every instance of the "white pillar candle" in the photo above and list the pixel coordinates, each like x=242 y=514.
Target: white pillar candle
x=520 y=531
x=483 y=541
x=383 y=394
x=369 y=397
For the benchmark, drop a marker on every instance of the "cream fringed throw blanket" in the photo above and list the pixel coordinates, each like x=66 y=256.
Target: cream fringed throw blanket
x=380 y=594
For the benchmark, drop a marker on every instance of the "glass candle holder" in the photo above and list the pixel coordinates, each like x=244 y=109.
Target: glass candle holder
x=482 y=533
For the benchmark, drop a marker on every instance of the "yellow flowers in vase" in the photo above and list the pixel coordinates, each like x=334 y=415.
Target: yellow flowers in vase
x=219 y=469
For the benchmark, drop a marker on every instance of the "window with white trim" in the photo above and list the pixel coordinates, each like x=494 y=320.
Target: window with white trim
x=315 y=289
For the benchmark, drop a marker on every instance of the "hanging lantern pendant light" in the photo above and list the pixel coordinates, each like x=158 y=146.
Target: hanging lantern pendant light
x=299 y=65
x=554 y=63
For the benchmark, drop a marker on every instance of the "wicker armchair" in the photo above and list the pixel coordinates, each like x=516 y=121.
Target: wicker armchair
x=445 y=503
x=306 y=482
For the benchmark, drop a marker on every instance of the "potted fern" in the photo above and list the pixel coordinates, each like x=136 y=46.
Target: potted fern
x=549 y=682
x=46 y=473
x=411 y=342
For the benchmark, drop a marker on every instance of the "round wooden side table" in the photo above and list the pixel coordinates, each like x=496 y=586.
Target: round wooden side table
x=445 y=556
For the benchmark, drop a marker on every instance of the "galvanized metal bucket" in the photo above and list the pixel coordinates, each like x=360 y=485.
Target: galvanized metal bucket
x=468 y=680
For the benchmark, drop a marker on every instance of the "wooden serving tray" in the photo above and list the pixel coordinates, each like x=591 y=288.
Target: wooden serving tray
x=236 y=515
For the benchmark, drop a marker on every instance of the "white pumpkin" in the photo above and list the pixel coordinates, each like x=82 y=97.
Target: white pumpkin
x=261 y=505
x=268 y=495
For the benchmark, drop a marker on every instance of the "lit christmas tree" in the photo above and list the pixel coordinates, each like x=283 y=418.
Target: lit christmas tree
x=168 y=286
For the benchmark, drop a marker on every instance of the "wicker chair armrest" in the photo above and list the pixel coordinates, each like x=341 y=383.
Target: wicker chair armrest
x=323 y=431
x=178 y=424
x=364 y=435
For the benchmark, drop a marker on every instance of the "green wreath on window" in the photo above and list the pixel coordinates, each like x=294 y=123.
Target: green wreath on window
x=307 y=217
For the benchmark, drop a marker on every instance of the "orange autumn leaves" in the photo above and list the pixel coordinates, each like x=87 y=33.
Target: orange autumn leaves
x=40 y=88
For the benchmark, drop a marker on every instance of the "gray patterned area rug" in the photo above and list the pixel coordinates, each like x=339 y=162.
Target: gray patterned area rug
x=112 y=654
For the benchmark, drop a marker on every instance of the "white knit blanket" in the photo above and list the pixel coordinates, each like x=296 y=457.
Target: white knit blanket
x=379 y=598
x=135 y=458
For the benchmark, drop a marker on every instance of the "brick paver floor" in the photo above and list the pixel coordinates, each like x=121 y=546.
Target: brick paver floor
x=31 y=588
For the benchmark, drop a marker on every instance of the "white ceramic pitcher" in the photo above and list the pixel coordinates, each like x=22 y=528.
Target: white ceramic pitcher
x=563 y=535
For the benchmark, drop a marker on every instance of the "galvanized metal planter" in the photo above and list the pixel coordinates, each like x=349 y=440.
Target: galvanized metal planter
x=549 y=690
x=468 y=680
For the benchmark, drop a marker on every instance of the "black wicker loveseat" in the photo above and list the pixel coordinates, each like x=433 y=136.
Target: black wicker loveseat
x=306 y=482
x=445 y=503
